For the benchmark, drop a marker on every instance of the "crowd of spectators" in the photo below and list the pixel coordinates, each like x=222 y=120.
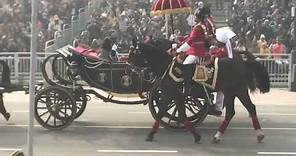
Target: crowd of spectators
x=123 y=20
x=265 y=26
x=15 y=18
x=116 y=18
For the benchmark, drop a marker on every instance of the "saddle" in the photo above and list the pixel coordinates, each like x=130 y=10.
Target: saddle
x=204 y=74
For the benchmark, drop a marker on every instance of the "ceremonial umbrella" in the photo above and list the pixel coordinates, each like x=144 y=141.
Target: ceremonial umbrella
x=169 y=7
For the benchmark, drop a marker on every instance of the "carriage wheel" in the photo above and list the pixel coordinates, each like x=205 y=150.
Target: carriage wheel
x=196 y=110
x=81 y=101
x=61 y=75
x=53 y=76
x=55 y=108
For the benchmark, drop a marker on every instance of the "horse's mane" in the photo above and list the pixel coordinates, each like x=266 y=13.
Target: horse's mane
x=157 y=58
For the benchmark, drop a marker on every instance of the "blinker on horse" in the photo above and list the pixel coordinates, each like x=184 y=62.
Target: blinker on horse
x=235 y=78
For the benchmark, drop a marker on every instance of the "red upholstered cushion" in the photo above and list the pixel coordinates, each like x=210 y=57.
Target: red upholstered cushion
x=87 y=52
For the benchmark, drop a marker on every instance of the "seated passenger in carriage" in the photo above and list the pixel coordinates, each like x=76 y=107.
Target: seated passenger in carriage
x=108 y=51
x=195 y=46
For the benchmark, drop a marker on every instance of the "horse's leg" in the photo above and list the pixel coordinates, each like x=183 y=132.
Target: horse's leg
x=229 y=104
x=2 y=108
x=160 y=114
x=182 y=116
x=245 y=99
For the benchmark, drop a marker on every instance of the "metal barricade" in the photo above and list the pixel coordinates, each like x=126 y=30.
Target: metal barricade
x=67 y=31
x=277 y=67
x=82 y=18
x=75 y=26
x=50 y=46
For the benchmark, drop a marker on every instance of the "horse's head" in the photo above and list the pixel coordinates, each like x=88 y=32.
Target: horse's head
x=148 y=55
x=136 y=55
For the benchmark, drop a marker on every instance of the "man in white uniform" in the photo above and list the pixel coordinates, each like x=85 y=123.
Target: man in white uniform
x=226 y=36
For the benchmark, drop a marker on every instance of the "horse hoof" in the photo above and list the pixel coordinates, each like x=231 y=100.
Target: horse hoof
x=215 y=140
x=7 y=116
x=149 y=138
x=197 y=138
x=260 y=138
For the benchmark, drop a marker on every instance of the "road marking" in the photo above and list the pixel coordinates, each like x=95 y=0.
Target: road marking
x=149 y=127
x=138 y=112
x=11 y=149
x=276 y=153
x=277 y=114
x=20 y=111
x=266 y=114
x=137 y=151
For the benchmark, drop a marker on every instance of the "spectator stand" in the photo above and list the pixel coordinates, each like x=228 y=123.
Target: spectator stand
x=69 y=32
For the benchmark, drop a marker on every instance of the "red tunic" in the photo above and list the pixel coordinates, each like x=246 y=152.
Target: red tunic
x=197 y=40
x=209 y=22
x=220 y=52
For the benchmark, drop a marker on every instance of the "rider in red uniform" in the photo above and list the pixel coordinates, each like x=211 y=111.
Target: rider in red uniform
x=195 y=46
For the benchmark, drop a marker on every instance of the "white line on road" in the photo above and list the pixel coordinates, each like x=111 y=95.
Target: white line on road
x=148 y=127
x=20 y=111
x=11 y=149
x=137 y=151
x=276 y=153
x=277 y=114
x=138 y=112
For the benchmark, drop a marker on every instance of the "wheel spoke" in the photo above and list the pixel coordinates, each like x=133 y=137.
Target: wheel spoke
x=171 y=106
x=48 y=118
x=41 y=107
x=41 y=100
x=175 y=111
x=190 y=109
x=44 y=113
x=65 y=114
x=54 y=121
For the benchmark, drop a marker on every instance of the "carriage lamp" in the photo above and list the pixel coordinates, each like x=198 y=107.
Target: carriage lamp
x=102 y=77
x=126 y=80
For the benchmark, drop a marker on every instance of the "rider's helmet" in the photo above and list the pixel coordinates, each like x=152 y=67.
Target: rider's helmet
x=200 y=13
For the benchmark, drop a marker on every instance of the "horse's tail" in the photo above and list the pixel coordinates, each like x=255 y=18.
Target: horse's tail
x=5 y=72
x=259 y=74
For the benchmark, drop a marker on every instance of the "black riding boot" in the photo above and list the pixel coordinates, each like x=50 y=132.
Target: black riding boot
x=187 y=75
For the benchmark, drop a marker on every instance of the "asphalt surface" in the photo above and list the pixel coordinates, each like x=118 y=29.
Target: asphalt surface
x=107 y=129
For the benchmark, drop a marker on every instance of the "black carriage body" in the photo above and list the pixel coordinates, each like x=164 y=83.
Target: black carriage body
x=115 y=77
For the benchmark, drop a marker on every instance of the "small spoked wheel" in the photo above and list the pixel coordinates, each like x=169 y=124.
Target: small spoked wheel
x=55 y=108
x=195 y=109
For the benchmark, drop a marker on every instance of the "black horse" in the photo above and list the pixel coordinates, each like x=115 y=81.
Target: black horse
x=4 y=83
x=235 y=77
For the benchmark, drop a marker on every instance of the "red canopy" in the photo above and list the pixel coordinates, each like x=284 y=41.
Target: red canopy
x=161 y=7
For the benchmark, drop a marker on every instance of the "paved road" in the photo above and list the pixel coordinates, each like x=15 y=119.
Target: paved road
x=119 y=130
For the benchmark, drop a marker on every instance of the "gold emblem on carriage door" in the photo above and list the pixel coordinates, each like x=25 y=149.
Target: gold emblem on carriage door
x=102 y=77
x=126 y=80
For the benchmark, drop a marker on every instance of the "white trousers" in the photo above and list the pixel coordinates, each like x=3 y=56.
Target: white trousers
x=219 y=101
x=191 y=59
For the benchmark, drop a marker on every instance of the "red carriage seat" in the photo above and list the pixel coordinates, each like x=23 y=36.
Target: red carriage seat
x=87 y=52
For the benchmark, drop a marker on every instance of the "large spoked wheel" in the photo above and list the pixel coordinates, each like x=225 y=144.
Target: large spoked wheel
x=81 y=102
x=60 y=69
x=55 y=108
x=54 y=70
x=196 y=109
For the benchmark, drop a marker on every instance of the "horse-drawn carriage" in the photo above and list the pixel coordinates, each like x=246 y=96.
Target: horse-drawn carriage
x=74 y=75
